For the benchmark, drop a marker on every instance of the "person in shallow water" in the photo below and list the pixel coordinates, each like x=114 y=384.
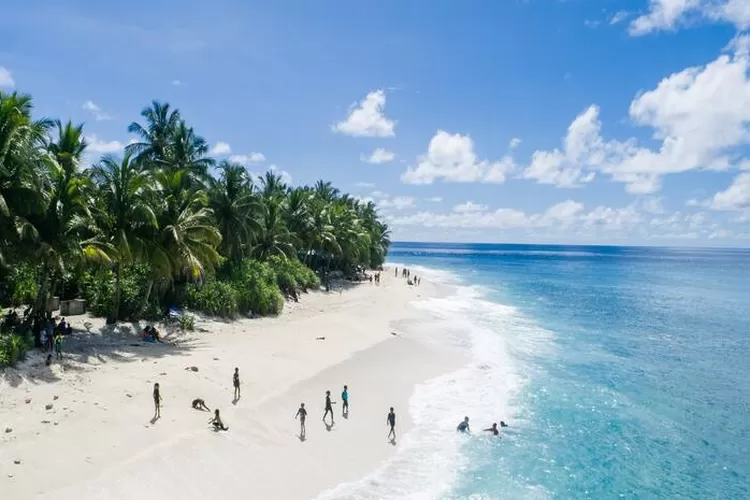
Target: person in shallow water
x=493 y=430
x=464 y=425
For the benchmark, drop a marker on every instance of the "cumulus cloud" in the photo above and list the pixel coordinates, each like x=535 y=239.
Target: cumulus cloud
x=668 y=15
x=96 y=111
x=221 y=148
x=367 y=118
x=700 y=116
x=619 y=17
x=6 y=79
x=469 y=207
x=514 y=143
x=735 y=197
x=435 y=199
x=451 y=158
x=363 y=184
x=248 y=159
x=96 y=145
x=378 y=156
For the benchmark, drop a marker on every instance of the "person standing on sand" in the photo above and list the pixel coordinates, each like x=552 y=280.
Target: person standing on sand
x=391 y=420
x=329 y=407
x=236 y=382
x=58 y=345
x=157 y=401
x=345 y=401
x=302 y=415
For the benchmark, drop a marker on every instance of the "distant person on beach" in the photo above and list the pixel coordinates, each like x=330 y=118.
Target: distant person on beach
x=48 y=360
x=302 y=415
x=391 y=420
x=464 y=425
x=345 y=401
x=396 y=273
x=217 y=423
x=199 y=404
x=493 y=430
x=157 y=401
x=58 y=344
x=236 y=382
x=329 y=407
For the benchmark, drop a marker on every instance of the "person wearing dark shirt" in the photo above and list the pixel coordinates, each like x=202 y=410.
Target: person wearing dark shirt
x=329 y=407
x=391 y=420
x=464 y=425
x=236 y=382
x=302 y=415
x=157 y=401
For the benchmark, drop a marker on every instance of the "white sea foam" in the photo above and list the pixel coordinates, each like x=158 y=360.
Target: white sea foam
x=430 y=455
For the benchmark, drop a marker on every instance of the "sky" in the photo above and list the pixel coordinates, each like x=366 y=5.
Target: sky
x=549 y=121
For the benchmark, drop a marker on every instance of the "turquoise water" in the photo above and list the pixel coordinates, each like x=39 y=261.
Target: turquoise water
x=623 y=372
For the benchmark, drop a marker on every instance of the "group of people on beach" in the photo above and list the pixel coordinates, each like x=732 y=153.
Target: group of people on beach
x=406 y=274
x=301 y=414
x=200 y=404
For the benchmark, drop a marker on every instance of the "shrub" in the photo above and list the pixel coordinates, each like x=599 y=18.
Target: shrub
x=217 y=298
x=13 y=348
x=257 y=289
x=291 y=274
x=187 y=321
x=98 y=289
x=21 y=285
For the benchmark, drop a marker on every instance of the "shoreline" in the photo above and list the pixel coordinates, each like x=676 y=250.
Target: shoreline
x=99 y=442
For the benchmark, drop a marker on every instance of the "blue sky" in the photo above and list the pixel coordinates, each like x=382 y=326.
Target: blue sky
x=577 y=121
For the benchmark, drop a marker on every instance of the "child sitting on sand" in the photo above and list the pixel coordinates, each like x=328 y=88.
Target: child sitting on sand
x=217 y=423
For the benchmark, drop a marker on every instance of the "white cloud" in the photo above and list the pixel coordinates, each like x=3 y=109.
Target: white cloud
x=366 y=118
x=221 y=148
x=735 y=197
x=248 y=159
x=514 y=143
x=652 y=205
x=6 y=79
x=701 y=116
x=95 y=145
x=95 y=110
x=286 y=177
x=435 y=199
x=469 y=207
x=619 y=17
x=397 y=202
x=668 y=15
x=451 y=157
x=365 y=184
x=378 y=156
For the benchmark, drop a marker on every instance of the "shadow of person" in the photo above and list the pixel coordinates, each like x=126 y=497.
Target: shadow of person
x=328 y=426
x=345 y=415
x=235 y=401
x=154 y=419
x=393 y=442
x=302 y=438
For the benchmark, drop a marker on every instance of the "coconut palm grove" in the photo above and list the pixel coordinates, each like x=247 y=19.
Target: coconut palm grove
x=163 y=225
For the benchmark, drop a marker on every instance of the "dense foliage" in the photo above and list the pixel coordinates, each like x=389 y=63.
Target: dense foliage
x=164 y=224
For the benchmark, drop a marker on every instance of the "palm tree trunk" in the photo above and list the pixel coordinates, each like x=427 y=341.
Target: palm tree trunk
x=116 y=306
x=40 y=305
x=146 y=297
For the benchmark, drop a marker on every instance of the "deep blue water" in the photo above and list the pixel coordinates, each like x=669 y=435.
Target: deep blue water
x=625 y=372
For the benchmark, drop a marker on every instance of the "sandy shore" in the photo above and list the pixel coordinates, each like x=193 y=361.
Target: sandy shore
x=98 y=440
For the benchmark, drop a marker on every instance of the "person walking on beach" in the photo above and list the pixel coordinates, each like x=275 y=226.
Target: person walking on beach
x=58 y=345
x=302 y=415
x=157 y=401
x=345 y=401
x=391 y=421
x=464 y=425
x=329 y=407
x=236 y=382
x=217 y=423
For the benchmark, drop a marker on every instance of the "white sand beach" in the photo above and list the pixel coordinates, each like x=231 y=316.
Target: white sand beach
x=97 y=440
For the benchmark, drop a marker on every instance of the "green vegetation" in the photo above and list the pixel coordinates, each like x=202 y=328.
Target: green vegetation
x=162 y=225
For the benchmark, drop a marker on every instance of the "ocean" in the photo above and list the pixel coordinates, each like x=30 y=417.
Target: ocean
x=622 y=372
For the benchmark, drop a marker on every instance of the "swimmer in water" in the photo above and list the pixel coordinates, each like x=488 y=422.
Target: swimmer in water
x=493 y=430
x=464 y=425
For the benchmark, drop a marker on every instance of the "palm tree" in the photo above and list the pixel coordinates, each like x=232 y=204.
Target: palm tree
x=273 y=236
x=188 y=151
x=234 y=206
x=272 y=186
x=325 y=191
x=124 y=217
x=156 y=134
x=63 y=231
x=21 y=139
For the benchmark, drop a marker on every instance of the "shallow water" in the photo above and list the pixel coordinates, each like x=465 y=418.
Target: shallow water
x=623 y=373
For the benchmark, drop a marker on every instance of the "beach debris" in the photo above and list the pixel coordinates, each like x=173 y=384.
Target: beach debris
x=48 y=406
x=55 y=423
x=394 y=334
x=8 y=430
x=163 y=373
x=28 y=400
x=17 y=462
x=192 y=368
x=55 y=398
x=320 y=338
x=45 y=421
x=128 y=395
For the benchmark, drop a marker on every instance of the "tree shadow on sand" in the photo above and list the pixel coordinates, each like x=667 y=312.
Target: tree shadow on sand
x=83 y=350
